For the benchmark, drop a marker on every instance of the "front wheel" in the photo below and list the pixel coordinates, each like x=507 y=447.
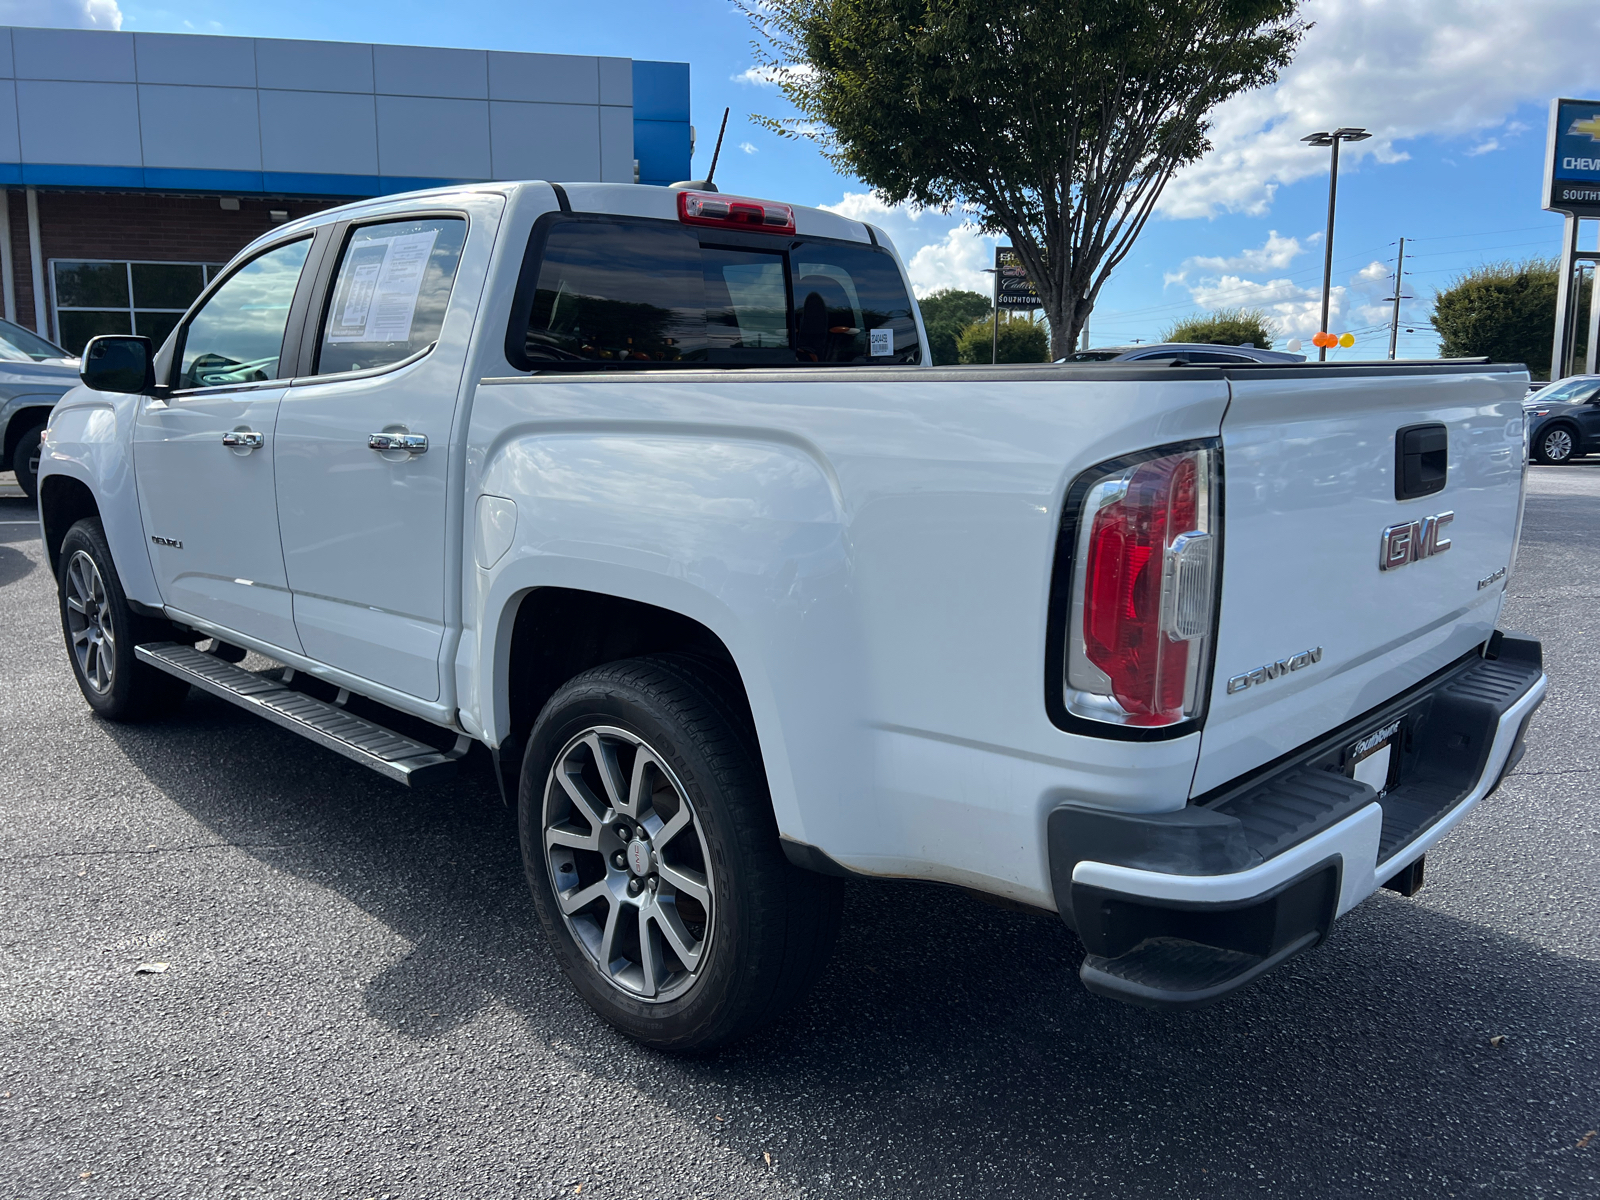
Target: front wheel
x=1555 y=446
x=101 y=631
x=652 y=853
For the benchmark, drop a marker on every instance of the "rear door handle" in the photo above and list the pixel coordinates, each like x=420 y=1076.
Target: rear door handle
x=407 y=443
x=244 y=439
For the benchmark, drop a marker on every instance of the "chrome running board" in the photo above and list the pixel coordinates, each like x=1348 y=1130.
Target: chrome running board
x=394 y=755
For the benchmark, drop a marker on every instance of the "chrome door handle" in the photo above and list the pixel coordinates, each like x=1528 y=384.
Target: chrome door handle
x=407 y=443
x=245 y=439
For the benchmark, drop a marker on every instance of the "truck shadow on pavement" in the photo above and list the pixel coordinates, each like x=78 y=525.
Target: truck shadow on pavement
x=948 y=1034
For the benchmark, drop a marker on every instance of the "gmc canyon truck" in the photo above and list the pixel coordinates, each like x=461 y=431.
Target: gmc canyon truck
x=652 y=493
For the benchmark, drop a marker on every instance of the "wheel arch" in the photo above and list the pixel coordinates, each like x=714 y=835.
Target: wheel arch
x=63 y=502
x=19 y=422
x=595 y=628
x=1561 y=423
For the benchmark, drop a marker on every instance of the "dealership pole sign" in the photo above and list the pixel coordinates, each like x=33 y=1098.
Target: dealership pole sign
x=1013 y=288
x=1572 y=160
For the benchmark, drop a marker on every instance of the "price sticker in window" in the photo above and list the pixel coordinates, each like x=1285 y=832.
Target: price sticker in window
x=882 y=343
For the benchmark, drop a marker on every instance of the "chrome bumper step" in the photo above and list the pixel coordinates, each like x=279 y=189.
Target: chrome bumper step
x=391 y=754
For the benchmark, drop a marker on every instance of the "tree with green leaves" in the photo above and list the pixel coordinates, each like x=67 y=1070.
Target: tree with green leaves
x=1021 y=340
x=1058 y=124
x=1225 y=327
x=945 y=313
x=1505 y=311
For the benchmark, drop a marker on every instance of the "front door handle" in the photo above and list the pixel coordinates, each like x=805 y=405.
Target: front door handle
x=406 y=443
x=243 y=439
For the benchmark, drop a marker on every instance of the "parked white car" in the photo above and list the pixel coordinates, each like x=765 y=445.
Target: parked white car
x=651 y=493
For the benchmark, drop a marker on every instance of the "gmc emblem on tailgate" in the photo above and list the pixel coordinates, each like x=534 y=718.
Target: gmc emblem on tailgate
x=1402 y=544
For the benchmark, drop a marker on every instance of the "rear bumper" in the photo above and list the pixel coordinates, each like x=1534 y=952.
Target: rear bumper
x=1178 y=909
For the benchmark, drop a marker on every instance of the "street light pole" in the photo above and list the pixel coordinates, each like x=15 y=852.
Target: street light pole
x=1347 y=134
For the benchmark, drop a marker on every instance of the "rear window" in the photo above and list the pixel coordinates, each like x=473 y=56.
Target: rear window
x=655 y=293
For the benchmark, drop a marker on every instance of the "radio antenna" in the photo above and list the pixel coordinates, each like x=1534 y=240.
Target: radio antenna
x=717 y=153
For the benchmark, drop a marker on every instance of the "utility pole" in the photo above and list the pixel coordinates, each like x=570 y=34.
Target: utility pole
x=1346 y=134
x=1394 y=317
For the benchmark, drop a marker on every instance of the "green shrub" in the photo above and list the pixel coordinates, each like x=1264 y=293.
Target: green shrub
x=1225 y=327
x=946 y=313
x=1021 y=341
x=1505 y=311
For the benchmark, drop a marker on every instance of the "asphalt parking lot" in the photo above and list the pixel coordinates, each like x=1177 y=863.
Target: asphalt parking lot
x=359 y=1002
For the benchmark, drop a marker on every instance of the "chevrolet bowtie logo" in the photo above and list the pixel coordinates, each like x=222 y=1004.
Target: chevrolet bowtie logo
x=1589 y=125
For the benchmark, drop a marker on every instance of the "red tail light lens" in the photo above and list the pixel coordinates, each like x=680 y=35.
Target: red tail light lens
x=1143 y=588
x=735 y=212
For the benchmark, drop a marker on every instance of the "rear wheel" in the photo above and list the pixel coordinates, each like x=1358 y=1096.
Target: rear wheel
x=25 y=461
x=651 y=849
x=101 y=632
x=1555 y=446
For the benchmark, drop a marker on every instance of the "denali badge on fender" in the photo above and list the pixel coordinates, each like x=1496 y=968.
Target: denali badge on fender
x=1273 y=669
x=1402 y=544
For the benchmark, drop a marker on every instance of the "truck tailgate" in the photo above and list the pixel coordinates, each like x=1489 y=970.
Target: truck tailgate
x=1311 y=633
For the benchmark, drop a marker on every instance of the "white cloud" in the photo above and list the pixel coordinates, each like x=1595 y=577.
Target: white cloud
x=956 y=260
x=75 y=14
x=748 y=148
x=1484 y=147
x=1447 y=68
x=1296 y=310
x=771 y=76
x=1272 y=255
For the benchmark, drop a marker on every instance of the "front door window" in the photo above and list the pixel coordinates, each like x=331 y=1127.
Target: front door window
x=237 y=336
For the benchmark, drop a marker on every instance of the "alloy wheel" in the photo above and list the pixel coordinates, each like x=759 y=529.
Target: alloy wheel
x=1558 y=445
x=94 y=640
x=628 y=863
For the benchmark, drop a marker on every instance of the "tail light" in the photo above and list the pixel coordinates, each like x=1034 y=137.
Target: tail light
x=734 y=212
x=1143 y=591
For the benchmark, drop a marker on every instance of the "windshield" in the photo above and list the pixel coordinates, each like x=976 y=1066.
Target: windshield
x=1573 y=391
x=20 y=345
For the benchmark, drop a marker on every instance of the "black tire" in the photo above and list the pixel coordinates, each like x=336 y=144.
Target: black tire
x=25 y=461
x=116 y=685
x=1556 y=445
x=770 y=926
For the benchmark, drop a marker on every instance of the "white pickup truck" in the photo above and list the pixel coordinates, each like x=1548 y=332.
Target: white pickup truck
x=653 y=494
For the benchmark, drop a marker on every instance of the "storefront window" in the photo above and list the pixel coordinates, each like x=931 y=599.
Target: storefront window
x=147 y=298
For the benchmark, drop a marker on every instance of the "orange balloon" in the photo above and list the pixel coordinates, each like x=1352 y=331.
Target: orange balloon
x=1319 y=339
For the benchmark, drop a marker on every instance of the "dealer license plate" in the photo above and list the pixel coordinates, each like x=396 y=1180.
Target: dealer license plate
x=1369 y=760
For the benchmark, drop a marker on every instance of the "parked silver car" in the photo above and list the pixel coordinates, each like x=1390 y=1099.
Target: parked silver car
x=1197 y=352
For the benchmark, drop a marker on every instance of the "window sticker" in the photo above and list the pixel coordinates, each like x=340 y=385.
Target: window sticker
x=882 y=343
x=382 y=278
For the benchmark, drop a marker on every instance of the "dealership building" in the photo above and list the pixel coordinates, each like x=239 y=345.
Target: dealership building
x=135 y=164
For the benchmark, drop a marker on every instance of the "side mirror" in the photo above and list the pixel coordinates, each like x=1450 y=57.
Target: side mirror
x=119 y=363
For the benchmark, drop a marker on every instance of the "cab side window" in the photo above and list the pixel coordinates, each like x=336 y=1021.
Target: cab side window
x=617 y=292
x=237 y=336
x=850 y=306
x=389 y=296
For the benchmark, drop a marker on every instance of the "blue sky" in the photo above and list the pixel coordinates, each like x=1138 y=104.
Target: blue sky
x=1456 y=91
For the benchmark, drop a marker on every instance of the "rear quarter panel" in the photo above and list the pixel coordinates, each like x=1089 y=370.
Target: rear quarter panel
x=875 y=549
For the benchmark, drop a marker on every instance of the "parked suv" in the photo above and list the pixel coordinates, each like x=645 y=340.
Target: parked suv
x=1564 y=419
x=34 y=374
